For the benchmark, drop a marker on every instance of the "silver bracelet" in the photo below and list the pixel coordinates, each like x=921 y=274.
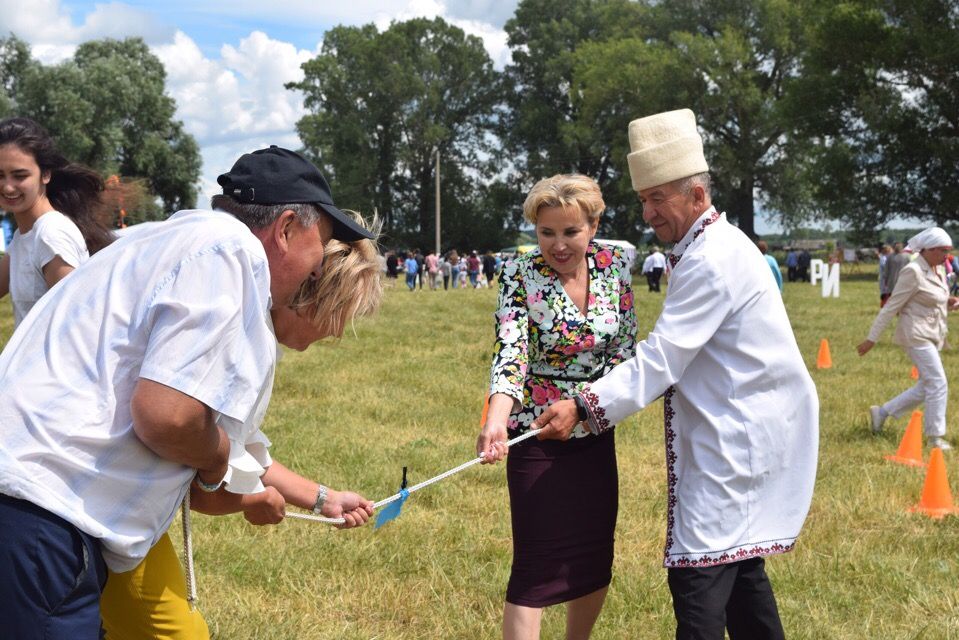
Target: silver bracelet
x=320 y=499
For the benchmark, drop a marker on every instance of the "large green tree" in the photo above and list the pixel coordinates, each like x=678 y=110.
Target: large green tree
x=882 y=76
x=734 y=63
x=544 y=129
x=107 y=108
x=382 y=104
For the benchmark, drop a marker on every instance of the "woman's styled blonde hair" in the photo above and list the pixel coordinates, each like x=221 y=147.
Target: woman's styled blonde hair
x=565 y=190
x=349 y=285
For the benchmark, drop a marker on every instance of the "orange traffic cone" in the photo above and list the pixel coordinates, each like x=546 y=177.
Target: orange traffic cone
x=936 y=500
x=824 y=360
x=910 y=447
x=914 y=374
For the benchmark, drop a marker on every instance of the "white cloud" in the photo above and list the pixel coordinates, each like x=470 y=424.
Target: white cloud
x=493 y=12
x=493 y=37
x=206 y=94
x=241 y=94
x=494 y=40
x=37 y=21
x=53 y=36
x=118 y=20
x=237 y=102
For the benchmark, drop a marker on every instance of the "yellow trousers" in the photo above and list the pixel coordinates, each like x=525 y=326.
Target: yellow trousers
x=150 y=601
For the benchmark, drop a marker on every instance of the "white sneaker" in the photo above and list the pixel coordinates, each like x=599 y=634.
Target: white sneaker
x=935 y=441
x=875 y=412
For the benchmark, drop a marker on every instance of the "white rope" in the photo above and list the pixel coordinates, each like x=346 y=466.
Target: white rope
x=188 y=533
x=416 y=487
x=188 y=552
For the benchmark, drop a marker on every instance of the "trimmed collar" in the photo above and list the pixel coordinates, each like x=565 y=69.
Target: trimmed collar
x=708 y=217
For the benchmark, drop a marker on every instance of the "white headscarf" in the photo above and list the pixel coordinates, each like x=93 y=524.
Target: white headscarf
x=929 y=239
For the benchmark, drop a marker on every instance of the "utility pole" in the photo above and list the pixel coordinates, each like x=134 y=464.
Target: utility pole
x=437 y=202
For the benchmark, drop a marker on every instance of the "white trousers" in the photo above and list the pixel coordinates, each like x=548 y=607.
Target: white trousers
x=931 y=389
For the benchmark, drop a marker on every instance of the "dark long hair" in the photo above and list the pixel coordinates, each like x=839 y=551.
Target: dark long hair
x=74 y=190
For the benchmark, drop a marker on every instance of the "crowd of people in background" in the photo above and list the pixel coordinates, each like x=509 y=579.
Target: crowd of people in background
x=477 y=269
x=451 y=270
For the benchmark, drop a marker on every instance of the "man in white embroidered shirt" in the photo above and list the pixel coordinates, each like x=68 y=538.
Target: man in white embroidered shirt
x=143 y=373
x=741 y=411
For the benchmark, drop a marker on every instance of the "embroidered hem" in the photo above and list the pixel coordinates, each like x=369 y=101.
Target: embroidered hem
x=736 y=554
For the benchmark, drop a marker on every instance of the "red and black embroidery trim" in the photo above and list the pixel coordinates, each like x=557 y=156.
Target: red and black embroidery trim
x=675 y=258
x=742 y=553
x=597 y=413
x=671 y=499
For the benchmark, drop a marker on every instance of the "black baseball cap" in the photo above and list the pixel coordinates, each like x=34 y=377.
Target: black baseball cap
x=280 y=176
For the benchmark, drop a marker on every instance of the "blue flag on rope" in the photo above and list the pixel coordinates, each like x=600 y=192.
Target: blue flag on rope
x=392 y=510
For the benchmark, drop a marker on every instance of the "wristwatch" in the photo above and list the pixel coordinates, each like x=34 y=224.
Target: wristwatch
x=320 y=499
x=581 y=411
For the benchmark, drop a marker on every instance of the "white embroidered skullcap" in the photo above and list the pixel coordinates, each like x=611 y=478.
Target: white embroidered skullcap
x=663 y=148
x=929 y=239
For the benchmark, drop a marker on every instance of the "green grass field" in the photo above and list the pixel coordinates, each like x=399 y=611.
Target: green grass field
x=408 y=390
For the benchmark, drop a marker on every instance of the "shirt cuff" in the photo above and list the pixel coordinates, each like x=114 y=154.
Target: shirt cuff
x=596 y=421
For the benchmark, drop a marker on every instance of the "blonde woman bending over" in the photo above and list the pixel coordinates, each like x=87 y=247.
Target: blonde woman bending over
x=151 y=600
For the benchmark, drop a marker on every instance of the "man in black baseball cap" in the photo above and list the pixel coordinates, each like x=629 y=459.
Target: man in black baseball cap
x=277 y=176
x=187 y=305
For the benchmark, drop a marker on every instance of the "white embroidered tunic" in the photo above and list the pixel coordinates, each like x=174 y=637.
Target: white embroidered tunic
x=741 y=411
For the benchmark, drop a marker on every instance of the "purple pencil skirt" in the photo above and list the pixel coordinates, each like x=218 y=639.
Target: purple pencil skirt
x=564 y=497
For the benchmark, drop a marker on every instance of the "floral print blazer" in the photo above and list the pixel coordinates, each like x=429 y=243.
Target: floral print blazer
x=545 y=348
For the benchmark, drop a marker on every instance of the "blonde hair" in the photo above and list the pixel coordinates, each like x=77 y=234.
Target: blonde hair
x=565 y=190
x=349 y=285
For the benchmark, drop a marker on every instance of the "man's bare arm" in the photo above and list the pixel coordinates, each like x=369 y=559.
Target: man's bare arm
x=179 y=428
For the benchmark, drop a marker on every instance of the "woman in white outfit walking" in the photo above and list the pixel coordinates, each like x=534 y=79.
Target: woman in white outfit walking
x=921 y=300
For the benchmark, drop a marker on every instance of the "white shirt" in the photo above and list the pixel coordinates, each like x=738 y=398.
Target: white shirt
x=741 y=411
x=53 y=234
x=184 y=303
x=655 y=260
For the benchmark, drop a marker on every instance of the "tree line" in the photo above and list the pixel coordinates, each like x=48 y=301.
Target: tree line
x=106 y=108
x=811 y=110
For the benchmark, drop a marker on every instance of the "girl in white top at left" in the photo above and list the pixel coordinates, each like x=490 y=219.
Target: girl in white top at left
x=56 y=205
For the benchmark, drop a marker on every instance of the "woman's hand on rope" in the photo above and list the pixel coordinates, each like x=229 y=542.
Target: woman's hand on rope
x=352 y=507
x=492 y=442
x=265 y=507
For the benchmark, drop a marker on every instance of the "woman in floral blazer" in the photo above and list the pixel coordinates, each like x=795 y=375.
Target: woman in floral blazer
x=565 y=317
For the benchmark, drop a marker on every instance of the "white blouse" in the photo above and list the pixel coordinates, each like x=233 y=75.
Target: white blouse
x=53 y=234
x=920 y=300
x=741 y=411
